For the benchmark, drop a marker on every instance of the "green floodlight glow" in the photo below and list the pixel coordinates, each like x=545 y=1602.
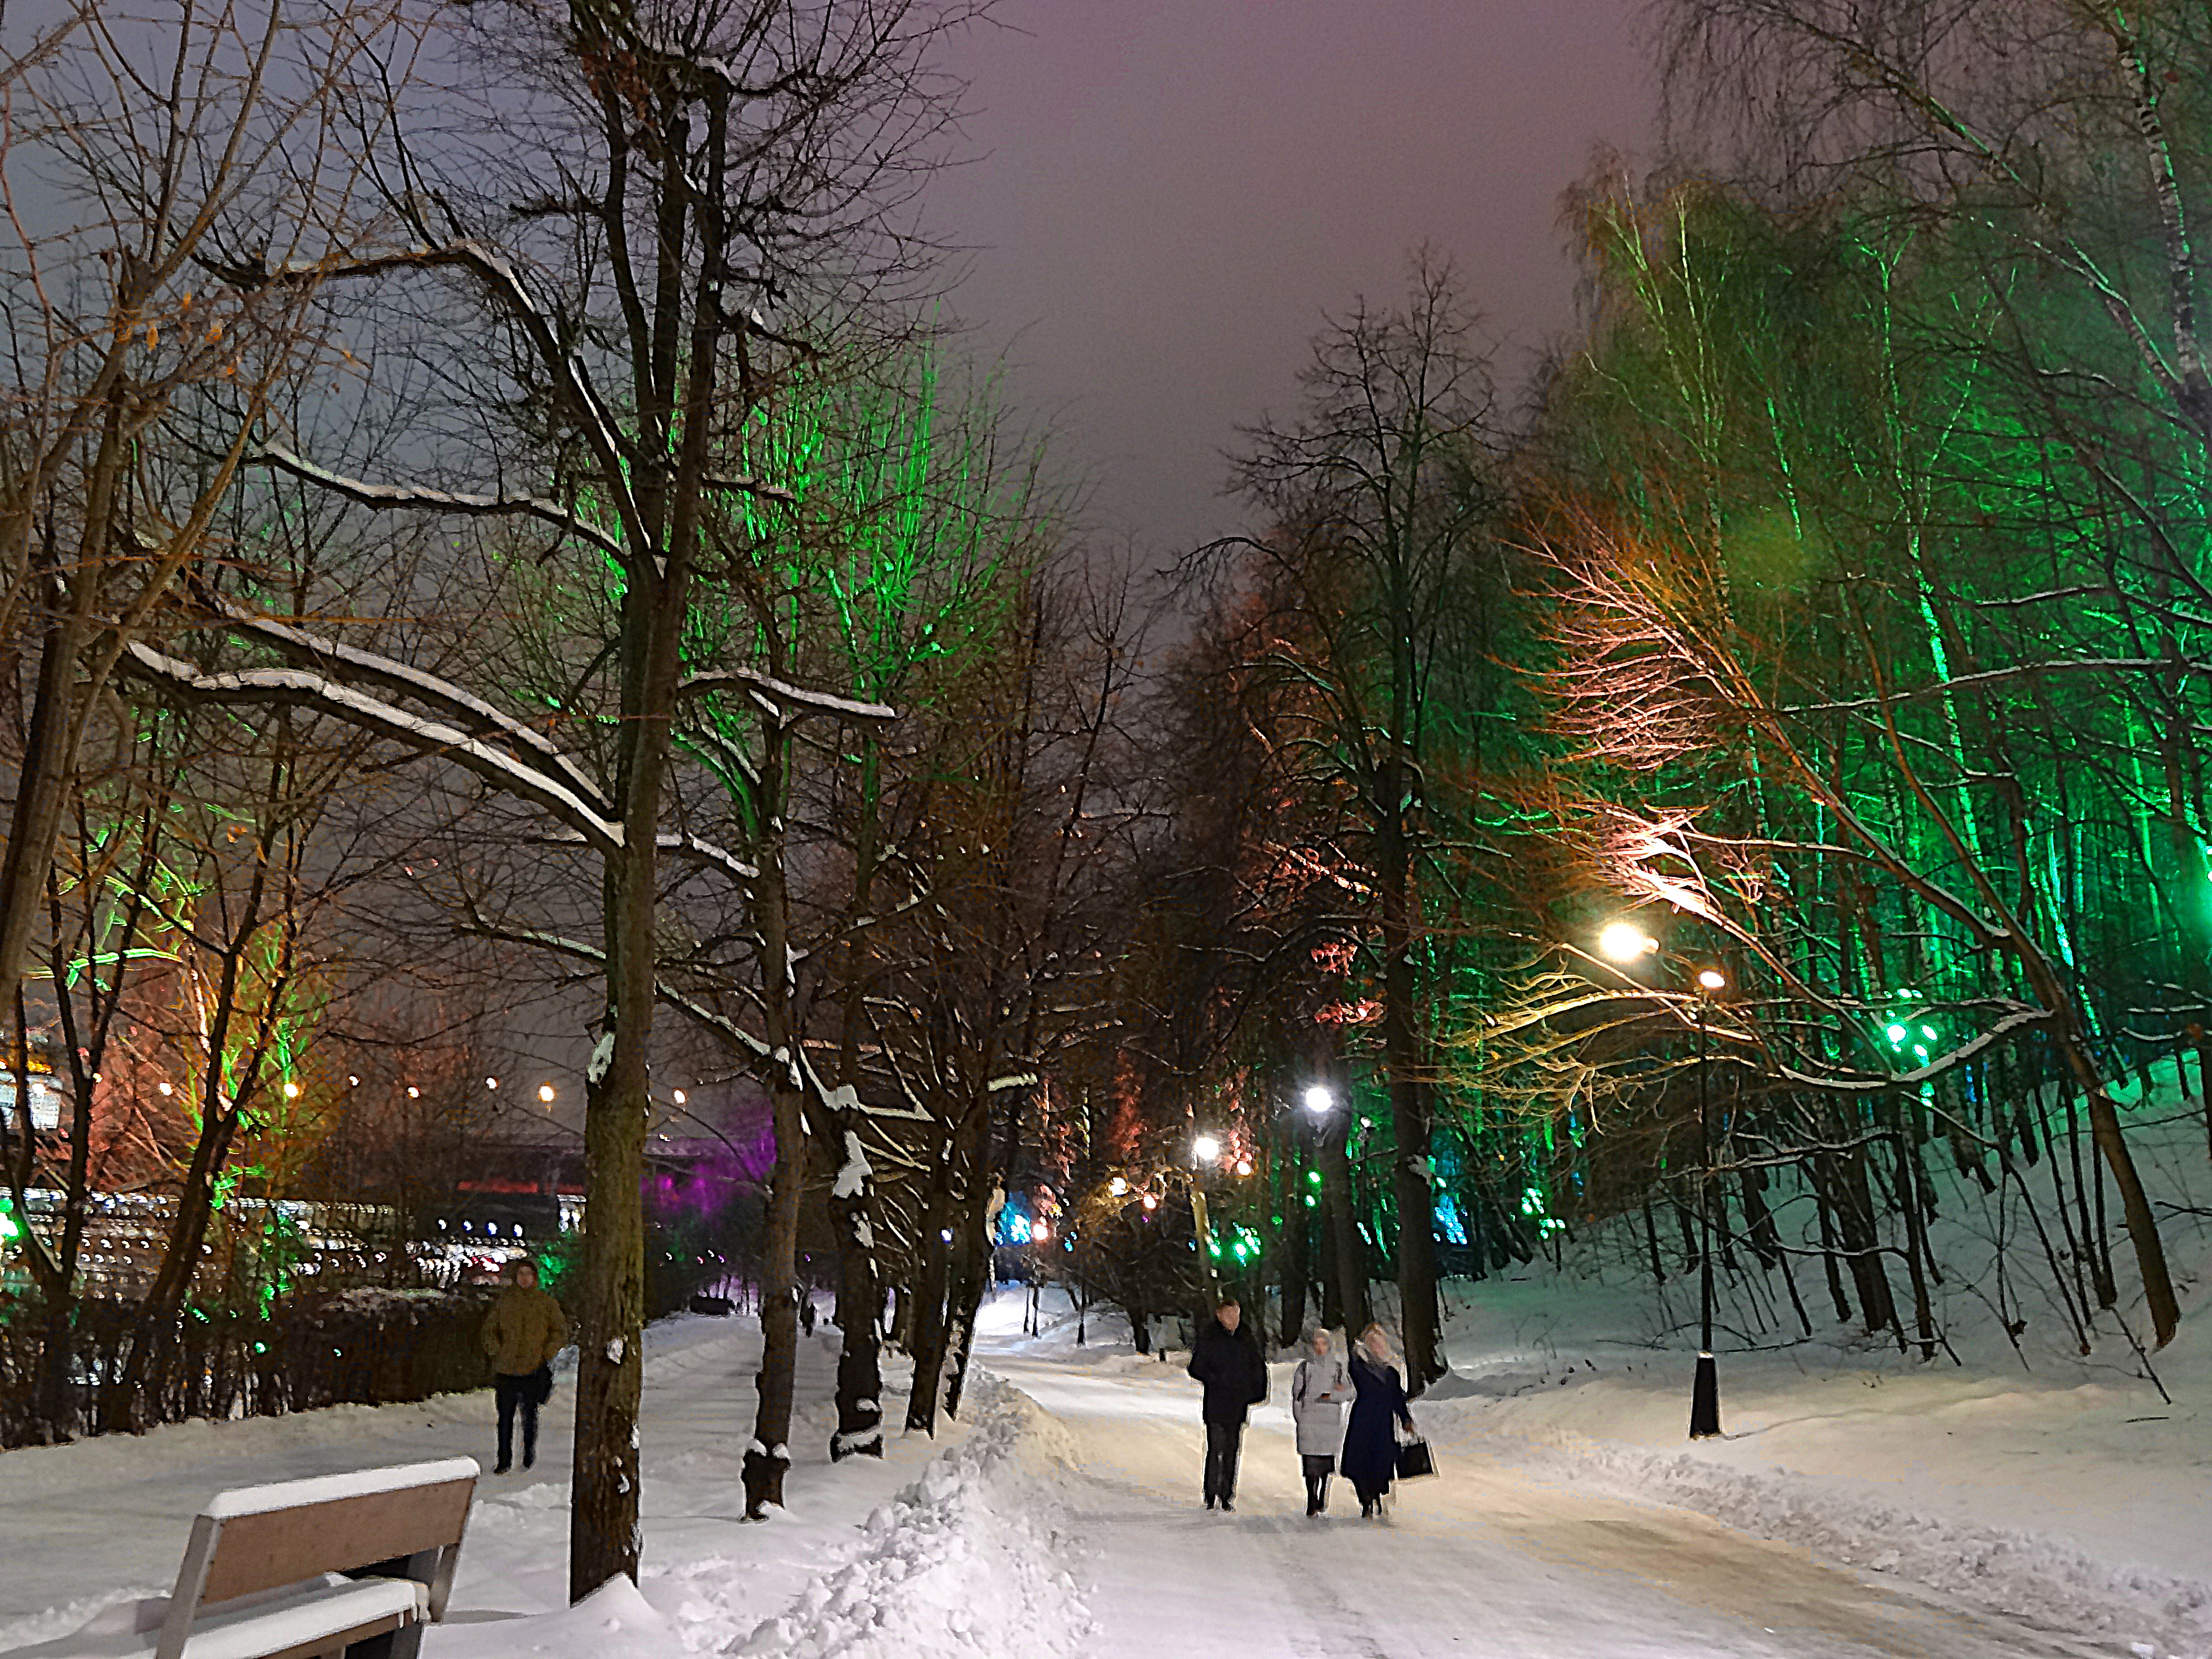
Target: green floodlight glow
x=1311 y=1200
x=9 y=1230
x=1898 y=1034
x=1928 y=1031
x=1314 y=1177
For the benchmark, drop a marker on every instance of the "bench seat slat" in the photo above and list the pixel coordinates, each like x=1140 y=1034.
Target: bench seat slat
x=310 y=1622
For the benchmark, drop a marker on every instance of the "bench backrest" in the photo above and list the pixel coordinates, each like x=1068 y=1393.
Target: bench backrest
x=259 y=1538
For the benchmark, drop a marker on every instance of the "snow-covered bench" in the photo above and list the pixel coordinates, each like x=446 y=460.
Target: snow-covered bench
x=266 y=1575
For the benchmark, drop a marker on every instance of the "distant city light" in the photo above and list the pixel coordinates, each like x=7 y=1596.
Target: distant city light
x=291 y=1092
x=679 y=1097
x=1117 y=1185
x=545 y=1093
x=1712 y=979
x=1243 y=1166
x=414 y=1093
x=491 y=1083
x=164 y=1088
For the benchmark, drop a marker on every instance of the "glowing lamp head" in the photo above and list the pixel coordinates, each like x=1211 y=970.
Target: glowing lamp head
x=1318 y=1100
x=1152 y=1203
x=291 y=1092
x=1711 y=979
x=491 y=1083
x=1207 y=1149
x=1625 y=942
x=1116 y=1186
x=545 y=1093
x=679 y=1097
x=1243 y=1166
x=414 y=1093
x=1042 y=1233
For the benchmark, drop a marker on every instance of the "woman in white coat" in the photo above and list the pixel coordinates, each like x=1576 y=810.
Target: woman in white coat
x=1320 y=1388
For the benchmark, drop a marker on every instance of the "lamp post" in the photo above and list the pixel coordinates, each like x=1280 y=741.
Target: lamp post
x=1705 y=1393
x=1625 y=943
x=1205 y=1150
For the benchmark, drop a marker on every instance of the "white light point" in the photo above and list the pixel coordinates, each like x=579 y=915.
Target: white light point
x=1625 y=942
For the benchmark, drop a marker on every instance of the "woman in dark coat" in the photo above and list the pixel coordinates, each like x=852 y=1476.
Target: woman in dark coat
x=1371 y=1445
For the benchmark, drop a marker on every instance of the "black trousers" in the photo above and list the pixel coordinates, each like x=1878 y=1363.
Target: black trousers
x=525 y=1391
x=1317 y=1472
x=1224 y=1438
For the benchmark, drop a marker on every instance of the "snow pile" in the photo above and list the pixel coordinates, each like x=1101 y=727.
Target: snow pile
x=966 y=1560
x=613 y=1622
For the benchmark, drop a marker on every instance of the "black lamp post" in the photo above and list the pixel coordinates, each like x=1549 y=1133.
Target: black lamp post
x=1627 y=944
x=1705 y=1393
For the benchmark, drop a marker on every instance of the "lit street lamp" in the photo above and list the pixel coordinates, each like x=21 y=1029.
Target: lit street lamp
x=545 y=1093
x=1205 y=1151
x=1705 y=1393
x=1625 y=943
x=1318 y=1100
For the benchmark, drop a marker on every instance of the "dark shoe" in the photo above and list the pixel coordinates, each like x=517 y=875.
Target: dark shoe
x=1209 y=1502
x=501 y=1469
x=1227 y=1507
x=529 y=1458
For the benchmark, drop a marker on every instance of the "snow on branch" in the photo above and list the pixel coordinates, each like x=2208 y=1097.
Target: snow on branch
x=757 y=488
x=705 y=852
x=497 y=274
x=797 y=699
x=430 y=689
x=301 y=688
x=439 y=501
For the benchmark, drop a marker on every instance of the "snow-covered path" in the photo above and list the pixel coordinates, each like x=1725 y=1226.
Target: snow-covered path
x=1488 y=1560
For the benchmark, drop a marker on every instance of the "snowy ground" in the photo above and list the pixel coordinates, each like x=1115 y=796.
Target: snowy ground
x=94 y=1526
x=1861 y=1505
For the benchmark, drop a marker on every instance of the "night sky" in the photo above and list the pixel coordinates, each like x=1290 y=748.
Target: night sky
x=1167 y=194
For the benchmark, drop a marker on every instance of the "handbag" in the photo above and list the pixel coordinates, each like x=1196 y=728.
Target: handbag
x=1415 y=1461
x=541 y=1385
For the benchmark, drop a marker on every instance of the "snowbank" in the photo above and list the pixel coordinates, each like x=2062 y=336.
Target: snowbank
x=2070 y=1489
x=966 y=1560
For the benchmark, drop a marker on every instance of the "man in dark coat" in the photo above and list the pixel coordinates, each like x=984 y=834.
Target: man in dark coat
x=1226 y=1359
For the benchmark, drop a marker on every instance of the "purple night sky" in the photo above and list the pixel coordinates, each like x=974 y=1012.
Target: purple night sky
x=1167 y=196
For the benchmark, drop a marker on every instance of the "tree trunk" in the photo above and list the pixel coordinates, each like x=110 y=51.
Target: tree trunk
x=860 y=1431
x=770 y=1454
x=1346 y=1256
x=1412 y=1182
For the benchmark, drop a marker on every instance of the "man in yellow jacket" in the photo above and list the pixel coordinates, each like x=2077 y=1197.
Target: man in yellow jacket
x=523 y=1332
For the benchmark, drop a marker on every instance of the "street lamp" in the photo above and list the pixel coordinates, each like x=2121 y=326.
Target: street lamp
x=1625 y=942
x=1318 y=1100
x=545 y=1093
x=1205 y=1150
x=1705 y=1393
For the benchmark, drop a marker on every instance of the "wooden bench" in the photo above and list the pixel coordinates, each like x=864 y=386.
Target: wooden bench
x=312 y=1567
